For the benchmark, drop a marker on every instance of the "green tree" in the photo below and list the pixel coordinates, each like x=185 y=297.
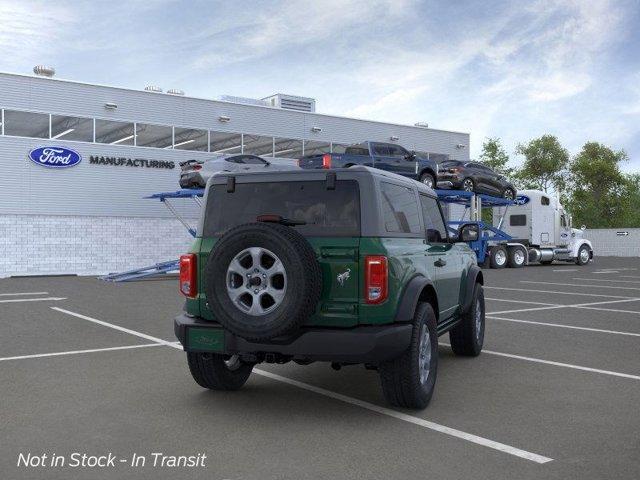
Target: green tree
x=632 y=214
x=545 y=164
x=495 y=156
x=600 y=193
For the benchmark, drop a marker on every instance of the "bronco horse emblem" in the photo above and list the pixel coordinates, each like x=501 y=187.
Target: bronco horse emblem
x=343 y=277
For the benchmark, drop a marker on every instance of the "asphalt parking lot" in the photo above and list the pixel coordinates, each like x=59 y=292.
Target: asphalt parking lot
x=88 y=366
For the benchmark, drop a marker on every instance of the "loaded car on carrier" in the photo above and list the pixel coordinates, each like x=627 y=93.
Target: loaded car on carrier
x=348 y=266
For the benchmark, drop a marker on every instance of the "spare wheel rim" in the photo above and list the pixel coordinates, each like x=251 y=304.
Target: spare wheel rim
x=256 y=281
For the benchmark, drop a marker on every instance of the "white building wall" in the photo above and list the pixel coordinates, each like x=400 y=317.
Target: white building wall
x=53 y=245
x=610 y=242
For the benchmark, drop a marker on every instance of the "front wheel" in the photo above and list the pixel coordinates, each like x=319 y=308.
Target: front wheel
x=509 y=194
x=409 y=380
x=218 y=372
x=428 y=180
x=583 y=255
x=467 y=337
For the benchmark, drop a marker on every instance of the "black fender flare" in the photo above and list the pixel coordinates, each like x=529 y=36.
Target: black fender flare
x=428 y=169
x=409 y=298
x=473 y=276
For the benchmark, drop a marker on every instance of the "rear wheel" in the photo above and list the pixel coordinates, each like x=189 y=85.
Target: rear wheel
x=409 y=380
x=218 y=372
x=428 y=180
x=517 y=257
x=509 y=194
x=498 y=257
x=468 y=185
x=467 y=337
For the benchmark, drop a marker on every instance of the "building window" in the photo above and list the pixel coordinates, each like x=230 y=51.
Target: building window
x=312 y=147
x=157 y=136
x=287 y=148
x=399 y=209
x=190 y=139
x=225 y=143
x=258 y=145
x=26 y=124
x=114 y=133
x=72 y=128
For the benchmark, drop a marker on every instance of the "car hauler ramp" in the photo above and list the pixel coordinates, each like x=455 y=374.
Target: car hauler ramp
x=162 y=268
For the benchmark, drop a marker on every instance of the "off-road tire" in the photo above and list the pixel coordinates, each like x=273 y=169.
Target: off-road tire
x=400 y=377
x=493 y=263
x=304 y=280
x=426 y=176
x=209 y=370
x=467 y=337
x=512 y=262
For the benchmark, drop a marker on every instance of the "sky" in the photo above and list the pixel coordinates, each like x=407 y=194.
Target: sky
x=514 y=70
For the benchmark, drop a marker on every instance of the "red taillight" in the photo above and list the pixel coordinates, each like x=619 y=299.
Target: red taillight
x=376 y=279
x=197 y=167
x=326 y=160
x=188 y=271
x=454 y=170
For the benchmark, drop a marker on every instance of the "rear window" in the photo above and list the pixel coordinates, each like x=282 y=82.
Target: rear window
x=328 y=213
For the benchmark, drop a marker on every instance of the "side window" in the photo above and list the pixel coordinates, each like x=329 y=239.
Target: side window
x=544 y=200
x=399 y=209
x=436 y=231
x=517 y=220
x=397 y=151
x=380 y=150
x=563 y=221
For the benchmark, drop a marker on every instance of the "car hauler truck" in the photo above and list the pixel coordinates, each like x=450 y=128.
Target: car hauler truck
x=539 y=222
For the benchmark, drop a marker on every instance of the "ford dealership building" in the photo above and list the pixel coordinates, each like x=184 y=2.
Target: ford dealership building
x=79 y=159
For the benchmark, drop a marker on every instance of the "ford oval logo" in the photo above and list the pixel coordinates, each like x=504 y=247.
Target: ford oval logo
x=521 y=200
x=55 y=157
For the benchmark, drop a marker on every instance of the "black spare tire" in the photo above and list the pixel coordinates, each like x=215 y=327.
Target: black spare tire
x=262 y=280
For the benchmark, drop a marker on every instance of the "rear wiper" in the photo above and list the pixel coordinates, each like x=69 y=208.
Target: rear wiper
x=288 y=222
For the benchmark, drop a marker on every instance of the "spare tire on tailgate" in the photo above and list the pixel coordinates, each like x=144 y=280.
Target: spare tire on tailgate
x=262 y=280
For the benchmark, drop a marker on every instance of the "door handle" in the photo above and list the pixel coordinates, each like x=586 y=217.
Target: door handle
x=440 y=262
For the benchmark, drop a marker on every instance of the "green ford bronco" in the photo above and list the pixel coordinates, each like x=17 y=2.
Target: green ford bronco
x=346 y=266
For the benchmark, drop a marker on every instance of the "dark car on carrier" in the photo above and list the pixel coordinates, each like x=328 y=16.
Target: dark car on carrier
x=474 y=177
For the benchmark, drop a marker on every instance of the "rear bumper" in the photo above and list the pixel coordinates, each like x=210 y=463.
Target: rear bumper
x=366 y=344
x=191 y=179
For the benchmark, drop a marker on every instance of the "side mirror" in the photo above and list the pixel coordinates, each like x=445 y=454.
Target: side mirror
x=469 y=232
x=410 y=156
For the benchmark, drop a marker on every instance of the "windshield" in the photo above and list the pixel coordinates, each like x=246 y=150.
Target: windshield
x=324 y=212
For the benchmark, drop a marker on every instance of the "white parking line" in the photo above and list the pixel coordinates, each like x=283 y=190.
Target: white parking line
x=115 y=327
x=567 y=270
x=629 y=276
x=576 y=305
x=23 y=293
x=581 y=285
x=520 y=301
x=529 y=290
x=606 y=280
x=19 y=300
x=353 y=401
x=75 y=352
x=558 y=364
x=605 y=272
x=608 y=310
x=485 y=442
x=559 y=325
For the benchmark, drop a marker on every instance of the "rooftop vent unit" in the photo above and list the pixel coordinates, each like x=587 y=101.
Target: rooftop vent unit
x=44 y=71
x=153 y=88
x=422 y=124
x=244 y=100
x=175 y=91
x=292 y=102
